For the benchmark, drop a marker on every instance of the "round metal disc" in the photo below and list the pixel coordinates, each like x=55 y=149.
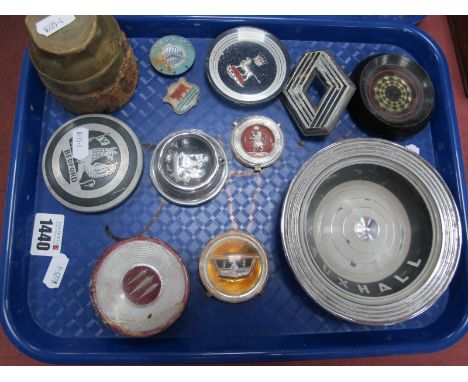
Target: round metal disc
x=371 y=231
x=234 y=267
x=257 y=141
x=395 y=96
x=103 y=173
x=189 y=167
x=172 y=55
x=247 y=65
x=139 y=287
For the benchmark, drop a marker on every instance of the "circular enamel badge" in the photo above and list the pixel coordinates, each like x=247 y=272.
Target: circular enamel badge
x=395 y=96
x=247 y=65
x=139 y=287
x=189 y=167
x=172 y=55
x=257 y=141
x=234 y=267
x=371 y=232
x=92 y=163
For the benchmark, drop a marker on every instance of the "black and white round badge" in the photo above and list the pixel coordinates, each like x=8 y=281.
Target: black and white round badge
x=257 y=141
x=247 y=65
x=394 y=96
x=92 y=163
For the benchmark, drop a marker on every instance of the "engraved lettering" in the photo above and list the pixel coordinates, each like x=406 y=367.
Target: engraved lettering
x=413 y=264
x=326 y=269
x=343 y=282
x=401 y=279
x=363 y=288
x=71 y=165
x=384 y=287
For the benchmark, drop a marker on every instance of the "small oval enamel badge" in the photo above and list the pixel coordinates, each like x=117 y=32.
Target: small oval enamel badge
x=182 y=95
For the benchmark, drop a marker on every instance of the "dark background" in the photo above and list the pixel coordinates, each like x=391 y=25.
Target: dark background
x=12 y=45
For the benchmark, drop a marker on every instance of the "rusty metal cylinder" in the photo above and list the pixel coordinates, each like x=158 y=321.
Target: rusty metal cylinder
x=88 y=65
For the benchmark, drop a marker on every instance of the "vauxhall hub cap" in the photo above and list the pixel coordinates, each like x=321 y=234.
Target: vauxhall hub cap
x=371 y=231
x=92 y=163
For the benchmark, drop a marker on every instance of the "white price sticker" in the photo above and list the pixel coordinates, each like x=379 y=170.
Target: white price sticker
x=56 y=270
x=413 y=148
x=47 y=234
x=52 y=24
x=80 y=143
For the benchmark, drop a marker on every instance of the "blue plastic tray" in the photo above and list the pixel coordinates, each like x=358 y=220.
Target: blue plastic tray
x=60 y=326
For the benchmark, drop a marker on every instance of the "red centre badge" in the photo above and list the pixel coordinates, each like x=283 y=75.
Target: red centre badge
x=141 y=285
x=258 y=140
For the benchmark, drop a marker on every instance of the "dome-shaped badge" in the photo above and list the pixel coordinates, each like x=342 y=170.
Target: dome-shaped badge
x=247 y=65
x=234 y=267
x=189 y=167
x=139 y=287
x=257 y=141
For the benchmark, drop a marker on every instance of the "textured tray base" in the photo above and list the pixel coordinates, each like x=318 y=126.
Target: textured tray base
x=283 y=308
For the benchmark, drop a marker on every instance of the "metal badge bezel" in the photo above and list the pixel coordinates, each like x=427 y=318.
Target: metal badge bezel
x=190 y=195
x=149 y=253
x=257 y=162
x=254 y=35
x=50 y=167
x=205 y=258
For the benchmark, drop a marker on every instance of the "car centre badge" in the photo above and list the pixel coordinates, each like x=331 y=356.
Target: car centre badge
x=139 y=287
x=247 y=65
x=257 y=141
x=182 y=95
x=172 y=55
x=233 y=267
x=189 y=167
x=92 y=163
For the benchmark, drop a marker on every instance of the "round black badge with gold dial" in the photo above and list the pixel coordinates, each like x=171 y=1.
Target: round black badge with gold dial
x=394 y=96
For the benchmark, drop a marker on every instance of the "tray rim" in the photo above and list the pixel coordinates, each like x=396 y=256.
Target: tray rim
x=344 y=349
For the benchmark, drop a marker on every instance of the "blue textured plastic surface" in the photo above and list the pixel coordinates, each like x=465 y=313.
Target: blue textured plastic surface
x=60 y=326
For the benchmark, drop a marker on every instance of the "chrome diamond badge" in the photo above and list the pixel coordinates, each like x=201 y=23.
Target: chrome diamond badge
x=317 y=118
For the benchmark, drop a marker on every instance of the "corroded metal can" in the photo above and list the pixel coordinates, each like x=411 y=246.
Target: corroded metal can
x=88 y=65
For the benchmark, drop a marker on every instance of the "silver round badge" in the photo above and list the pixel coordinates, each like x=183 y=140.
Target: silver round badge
x=233 y=267
x=189 y=167
x=247 y=65
x=257 y=142
x=139 y=287
x=371 y=231
x=92 y=163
